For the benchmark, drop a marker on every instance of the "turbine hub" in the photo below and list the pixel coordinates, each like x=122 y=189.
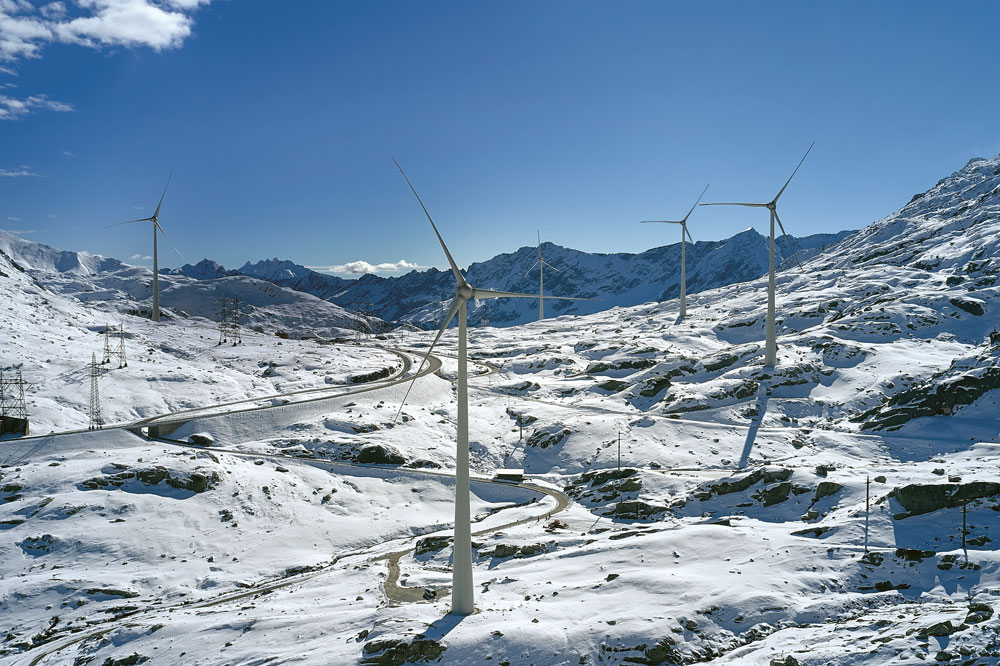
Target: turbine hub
x=464 y=292
x=773 y=205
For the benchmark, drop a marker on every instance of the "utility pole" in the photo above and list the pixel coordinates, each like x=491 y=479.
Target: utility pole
x=868 y=493
x=96 y=423
x=965 y=508
x=619 y=450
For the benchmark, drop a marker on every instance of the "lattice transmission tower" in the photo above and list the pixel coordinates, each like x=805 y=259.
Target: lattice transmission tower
x=12 y=396
x=13 y=414
x=229 y=321
x=96 y=422
x=114 y=345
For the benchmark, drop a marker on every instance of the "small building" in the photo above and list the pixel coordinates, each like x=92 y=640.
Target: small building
x=509 y=475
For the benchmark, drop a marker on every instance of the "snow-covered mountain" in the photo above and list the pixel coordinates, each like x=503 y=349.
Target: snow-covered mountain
x=839 y=508
x=118 y=288
x=620 y=279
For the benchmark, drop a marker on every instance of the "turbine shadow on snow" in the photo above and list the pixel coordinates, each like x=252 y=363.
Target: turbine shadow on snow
x=762 y=398
x=441 y=628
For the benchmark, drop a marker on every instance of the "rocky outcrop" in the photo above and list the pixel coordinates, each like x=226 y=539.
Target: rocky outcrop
x=920 y=498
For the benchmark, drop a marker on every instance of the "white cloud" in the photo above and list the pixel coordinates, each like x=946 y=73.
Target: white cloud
x=68 y=153
x=12 y=108
x=142 y=257
x=157 y=24
x=23 y=170
x=20 y=232
x=363 y=267
x=14 y=219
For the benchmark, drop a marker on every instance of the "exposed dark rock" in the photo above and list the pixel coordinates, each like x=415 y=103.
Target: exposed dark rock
x=396 y=651
x=774 y=494
x=431 y=544
x=826 y=489
x=636 y=509
x=938 y=396
x=923 y=498
x=654 y=386
x=734 y=485
x=970 y=305
x=131 y=660
x=196 y=482
x=378 y=454
x=544 y=440
x=504 y=550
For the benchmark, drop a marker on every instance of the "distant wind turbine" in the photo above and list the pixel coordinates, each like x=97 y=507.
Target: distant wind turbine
x=771 y=344
x=155 y=219
x=462 y=602
x=541 y=263
x=683 y=223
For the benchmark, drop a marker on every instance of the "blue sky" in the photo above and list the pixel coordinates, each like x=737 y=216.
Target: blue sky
x=576 y=118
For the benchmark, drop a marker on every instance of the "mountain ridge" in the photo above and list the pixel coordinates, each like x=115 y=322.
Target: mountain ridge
x=615 y=279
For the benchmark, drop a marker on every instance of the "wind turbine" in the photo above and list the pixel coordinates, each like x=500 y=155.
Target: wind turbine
x=683 y=223
x=771 y=343
x=462 y=602
x=541 y=263
x=155 y=219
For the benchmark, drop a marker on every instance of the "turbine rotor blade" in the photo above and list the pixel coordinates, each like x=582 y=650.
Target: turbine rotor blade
x=169 y=241
x=454 y=267
x=688 y=234
x=661 y=221
x=551 y=266
x=531 y=269
x=452 y=311
x=784 y=235
x=781 y=191
x=489 y=293
x=752 y=205
x=696 y=203
x=156 y=215
x=116 y=224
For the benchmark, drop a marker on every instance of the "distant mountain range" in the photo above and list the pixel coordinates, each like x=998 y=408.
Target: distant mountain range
x=619 y=279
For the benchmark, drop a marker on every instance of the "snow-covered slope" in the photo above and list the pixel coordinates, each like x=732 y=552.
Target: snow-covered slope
x=809 y=514
x=620 y=279
x=118 y=288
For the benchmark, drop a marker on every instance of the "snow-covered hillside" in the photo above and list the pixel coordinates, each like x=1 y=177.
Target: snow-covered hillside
x=837 y=509
x=117 y=288
x=619 y=279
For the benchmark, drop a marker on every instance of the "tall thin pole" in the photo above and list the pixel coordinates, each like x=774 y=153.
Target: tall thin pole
x=965 y=508
x=683 y=308
x=619 y=450
x=156 y=279
x=462 y=602
x=771 y=344
x=541 y=287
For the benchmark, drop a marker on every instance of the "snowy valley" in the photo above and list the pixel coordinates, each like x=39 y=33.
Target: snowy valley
x=261 y=503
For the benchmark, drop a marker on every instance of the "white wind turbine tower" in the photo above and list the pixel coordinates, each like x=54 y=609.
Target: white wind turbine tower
x=462 y=602
x=155 y=219
x=683 y=223
x=771 y=344
x=541 y=263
